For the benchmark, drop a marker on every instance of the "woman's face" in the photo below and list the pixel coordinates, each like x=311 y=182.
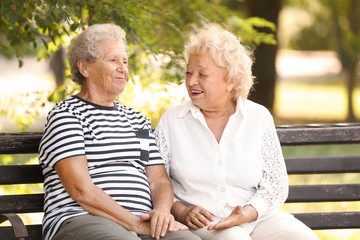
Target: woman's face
x=108 y=74
x=206 y=83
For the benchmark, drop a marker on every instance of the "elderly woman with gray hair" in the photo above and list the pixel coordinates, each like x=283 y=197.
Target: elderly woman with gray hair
x=221 y=150
x=104 y=176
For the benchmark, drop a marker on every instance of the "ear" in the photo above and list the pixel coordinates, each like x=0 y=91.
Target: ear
x=230 y=86
x=82 y=65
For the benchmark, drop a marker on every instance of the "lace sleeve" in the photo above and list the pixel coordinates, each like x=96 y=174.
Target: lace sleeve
x=163 y=147
x=273 y=187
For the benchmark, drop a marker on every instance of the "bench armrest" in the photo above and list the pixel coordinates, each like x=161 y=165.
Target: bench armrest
x=16 y=223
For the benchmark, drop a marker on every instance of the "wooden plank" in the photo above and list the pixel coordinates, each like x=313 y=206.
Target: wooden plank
x=34 y=232
x=320 y=135
x=22 y=203
x=14 y=143
x=324 y=193
x=19 y=174
x=328 y=164
x=332 y=220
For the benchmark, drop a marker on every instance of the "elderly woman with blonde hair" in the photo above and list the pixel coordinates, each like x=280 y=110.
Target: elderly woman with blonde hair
x=221 y=150
x=104 y=176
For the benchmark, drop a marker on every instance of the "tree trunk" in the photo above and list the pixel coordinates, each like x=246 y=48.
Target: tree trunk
x=265 y=55
x=57 y=65
x=350 y=73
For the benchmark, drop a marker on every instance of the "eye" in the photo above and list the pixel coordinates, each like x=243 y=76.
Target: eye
x=188 y=73
x=202 y=75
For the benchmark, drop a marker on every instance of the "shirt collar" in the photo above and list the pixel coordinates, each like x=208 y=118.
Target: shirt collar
x=188 y=106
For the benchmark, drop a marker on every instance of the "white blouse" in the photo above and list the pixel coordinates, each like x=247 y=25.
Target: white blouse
x=245 y=167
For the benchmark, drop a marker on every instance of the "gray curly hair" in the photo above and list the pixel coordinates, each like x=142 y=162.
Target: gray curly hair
x=227 y=52
x=85 y=46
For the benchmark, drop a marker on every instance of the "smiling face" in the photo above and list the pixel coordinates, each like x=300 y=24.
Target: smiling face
x=108 y=74
x=206 y=83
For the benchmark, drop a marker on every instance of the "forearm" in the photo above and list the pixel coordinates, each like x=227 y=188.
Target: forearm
x=98 y=203
x=179 y=210
x=162 y=196
x=250 y=214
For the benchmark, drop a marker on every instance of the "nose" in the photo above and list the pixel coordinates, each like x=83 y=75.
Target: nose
x=191 y=79
x=121 y=67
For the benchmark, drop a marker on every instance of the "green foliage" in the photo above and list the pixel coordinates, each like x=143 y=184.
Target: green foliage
x=154 y=27
x=156 y=30
x=334 y=26
x=247 y=29
x=23 y=109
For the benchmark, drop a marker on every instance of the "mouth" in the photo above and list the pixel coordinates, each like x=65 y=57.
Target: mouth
x=120 y=78
x=196 y=92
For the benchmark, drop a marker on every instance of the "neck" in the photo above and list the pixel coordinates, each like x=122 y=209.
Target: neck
x=220 y=112
x=96 y=97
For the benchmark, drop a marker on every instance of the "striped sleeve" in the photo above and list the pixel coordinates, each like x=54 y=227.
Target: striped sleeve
x=63 y=137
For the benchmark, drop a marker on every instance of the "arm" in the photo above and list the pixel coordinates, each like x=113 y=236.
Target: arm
x=162 y=199
x=273 y=187
x=74 y=175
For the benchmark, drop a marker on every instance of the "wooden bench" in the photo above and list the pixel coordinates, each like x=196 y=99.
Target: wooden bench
x=292 y=135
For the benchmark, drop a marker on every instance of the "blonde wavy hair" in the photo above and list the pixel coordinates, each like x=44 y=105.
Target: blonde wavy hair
x=227 y=52
x=85 y=46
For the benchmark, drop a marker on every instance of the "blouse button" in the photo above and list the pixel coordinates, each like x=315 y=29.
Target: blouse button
x=223 y=189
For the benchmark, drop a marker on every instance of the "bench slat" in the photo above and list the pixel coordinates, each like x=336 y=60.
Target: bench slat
x=34 y=232
x=22 y=203
x=15 y=143
x=329 y=164
x=19 y=174
x=295 y=135
x=298 y=193
x=324 y=193
x=332 y=220
x=326 y=135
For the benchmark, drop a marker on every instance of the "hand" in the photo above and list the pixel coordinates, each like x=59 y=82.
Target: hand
x=237 y=217
x=161 y=222
x=197 y=217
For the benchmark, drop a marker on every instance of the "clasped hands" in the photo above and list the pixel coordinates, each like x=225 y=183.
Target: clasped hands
x=197 y=217
x=158 y=223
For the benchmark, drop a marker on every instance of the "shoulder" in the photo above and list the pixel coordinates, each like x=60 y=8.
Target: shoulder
x=254 y=109
x=63 y=108
x=129 y=111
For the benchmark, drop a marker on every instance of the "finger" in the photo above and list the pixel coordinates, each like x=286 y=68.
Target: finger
x=192 y=226
x=171 y=224
x=145 y=217
x=153 y=225
x=196 y=221
x=225 y=223
x=238 y=210
x=180 y=226
x=204 y=220
x=164 y=226
x=207 y=215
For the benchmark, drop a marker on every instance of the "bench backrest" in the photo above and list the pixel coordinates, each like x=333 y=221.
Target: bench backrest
x=292 y=135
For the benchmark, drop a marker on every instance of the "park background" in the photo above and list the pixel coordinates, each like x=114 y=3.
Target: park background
x=306 y=67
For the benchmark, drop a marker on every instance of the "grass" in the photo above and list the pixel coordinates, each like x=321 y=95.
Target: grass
x=313 y=101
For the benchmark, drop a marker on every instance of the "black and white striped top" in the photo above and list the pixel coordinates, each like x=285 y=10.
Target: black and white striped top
x=118 y=144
